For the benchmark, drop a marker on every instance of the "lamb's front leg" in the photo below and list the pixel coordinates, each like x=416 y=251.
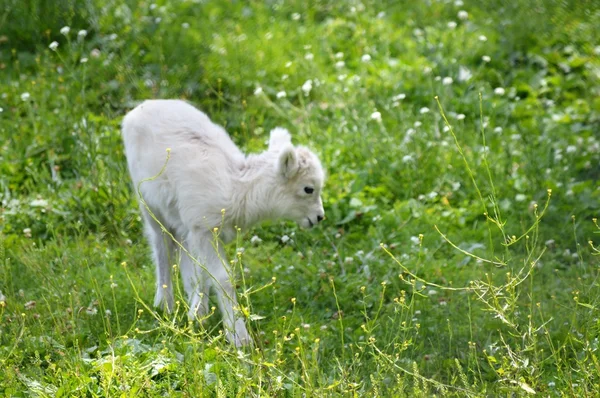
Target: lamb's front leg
x=212 y=255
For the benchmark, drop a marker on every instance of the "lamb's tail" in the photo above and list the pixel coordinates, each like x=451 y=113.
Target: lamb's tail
x=279 y=137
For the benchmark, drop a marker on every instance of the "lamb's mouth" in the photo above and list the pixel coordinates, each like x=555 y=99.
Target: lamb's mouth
x=310 y=222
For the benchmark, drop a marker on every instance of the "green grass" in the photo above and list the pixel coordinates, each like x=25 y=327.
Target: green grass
x=460 y=252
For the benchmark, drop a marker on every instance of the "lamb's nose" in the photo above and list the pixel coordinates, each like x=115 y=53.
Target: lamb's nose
x=319 y=218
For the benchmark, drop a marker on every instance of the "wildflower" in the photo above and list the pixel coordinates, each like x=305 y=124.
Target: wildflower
x=459 y=3
x=339 y=55
x=424 y=110
x=83 y=60
x=309 y=56
x=376 y=116
x=82 y=33
x=185 y=25
x=462 y=14
x=29 y=305
x=407 y=159
x=520 y=197
x=65 y=30
x=499 y=91
x=157 y=19
x=571 y=149
x=417 y=124
x=285 y=239
x=486 y=58
x=307 y=87
x=281 y=94
x=340 y=64
x=108 y=313
x=91 y=311
x=498 y=130
x=452 y=25
x=27 y=232
x=349 y=260
x=464 y=74
x=432 y=292
x=255 y=240
x=258 y=90
x=113 y=36
x=415 y=240
x=296 y=16
x=482 y=38
x=365 y=58
x=399 y=97
x=447 y=81
x=53 y=46
x=1 y=110
x=95 y=53
x=460 y=116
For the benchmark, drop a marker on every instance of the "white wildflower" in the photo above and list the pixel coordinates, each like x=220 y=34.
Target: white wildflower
x=83 y=60
x=349 y=260
x=281 y=94
x=520 y=197
x=340 y=64
x=255 y=240
x=460 y=116
x=499 y=91
x=53 y=46
x=365 y=58
x=376 y=116
x=464 y=74
x=25 y=96
x=399 y=97
x=91 y=311
x=185 y=25
x=571 y=149
x=415 y=240
x=82 y=33
x=285 y=239
x=482 y=38
x=486 y=58
x=296 y=16
x=65 y=30
x=309 y=56
x=407 y=159
x=498 y=130
x=462 y=14
x=452 y=25
x=258 y=90
x=424 y=110
x=307 y=87
x=447 y=81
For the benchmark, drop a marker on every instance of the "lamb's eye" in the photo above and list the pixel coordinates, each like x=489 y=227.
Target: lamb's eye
x=309 y=190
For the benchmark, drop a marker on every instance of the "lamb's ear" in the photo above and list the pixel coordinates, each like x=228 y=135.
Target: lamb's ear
x=288 y=161
x=279 y=138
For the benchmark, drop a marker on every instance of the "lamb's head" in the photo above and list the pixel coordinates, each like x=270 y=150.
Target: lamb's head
x=300 y=178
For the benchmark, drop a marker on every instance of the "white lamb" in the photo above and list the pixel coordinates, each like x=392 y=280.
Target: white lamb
x=209 y=183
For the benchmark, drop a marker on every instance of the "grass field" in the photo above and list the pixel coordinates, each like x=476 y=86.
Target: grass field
x=460 y=255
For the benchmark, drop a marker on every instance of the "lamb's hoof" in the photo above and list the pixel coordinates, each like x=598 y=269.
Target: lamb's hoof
x=164 y=300
x=240 y=337
x=198 y=308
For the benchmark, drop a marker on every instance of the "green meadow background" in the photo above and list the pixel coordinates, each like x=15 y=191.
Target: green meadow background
x=461 y=252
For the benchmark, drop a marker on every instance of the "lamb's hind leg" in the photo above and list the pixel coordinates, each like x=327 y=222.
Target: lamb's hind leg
x=217 y=274
x=163 y=249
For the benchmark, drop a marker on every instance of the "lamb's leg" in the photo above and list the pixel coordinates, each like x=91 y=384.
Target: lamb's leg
x=163 y=250
x=196 y=284
x=216 y=264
